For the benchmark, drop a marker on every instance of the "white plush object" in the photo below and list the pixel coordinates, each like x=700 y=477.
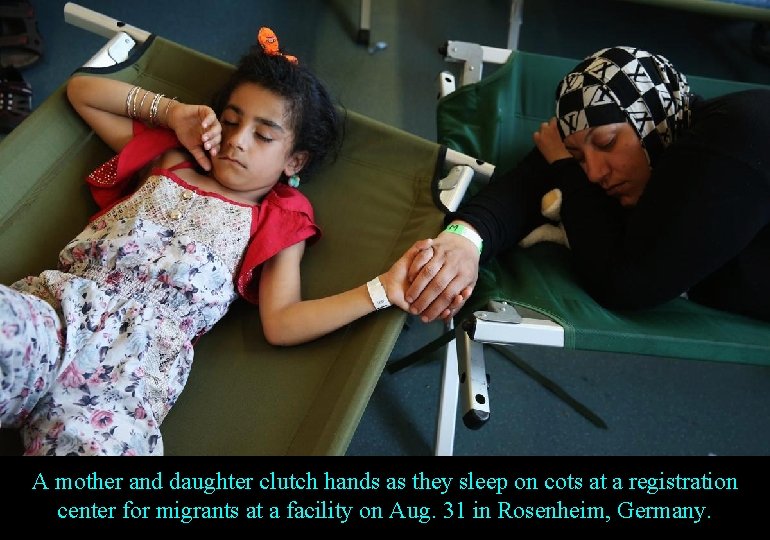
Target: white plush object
x=550 y=207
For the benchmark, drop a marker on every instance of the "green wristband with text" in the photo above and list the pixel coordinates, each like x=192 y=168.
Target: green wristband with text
x=466 y=232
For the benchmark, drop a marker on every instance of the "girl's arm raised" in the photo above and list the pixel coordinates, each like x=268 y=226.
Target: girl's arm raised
x=109 y=106
x=289 y=320
x=101 y=103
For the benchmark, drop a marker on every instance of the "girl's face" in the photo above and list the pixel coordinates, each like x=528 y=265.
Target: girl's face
x=612 y=156
x=256 y=143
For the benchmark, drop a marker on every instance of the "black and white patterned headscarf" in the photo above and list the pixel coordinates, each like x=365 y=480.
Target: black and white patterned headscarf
x=624 y=84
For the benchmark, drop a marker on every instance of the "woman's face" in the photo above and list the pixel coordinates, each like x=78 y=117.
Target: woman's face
x=612 y=156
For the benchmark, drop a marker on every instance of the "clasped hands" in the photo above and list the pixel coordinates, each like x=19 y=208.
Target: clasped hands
x=435 y=277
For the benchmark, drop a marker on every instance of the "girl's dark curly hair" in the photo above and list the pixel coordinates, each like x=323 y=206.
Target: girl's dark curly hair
x=315 y=120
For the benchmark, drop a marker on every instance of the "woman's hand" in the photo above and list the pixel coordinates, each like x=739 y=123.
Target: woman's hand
x=442 y=279
x=548 y=141
x=198 y=129
x=396 y=280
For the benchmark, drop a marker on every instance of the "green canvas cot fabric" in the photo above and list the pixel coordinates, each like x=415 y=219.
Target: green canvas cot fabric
x=494 y=120
x=244 y=396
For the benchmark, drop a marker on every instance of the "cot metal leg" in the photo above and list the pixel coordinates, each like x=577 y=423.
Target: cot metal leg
x=464 y=368
x=473 y=379
x=500 y=323
x=447 y=408
x=514 y=25
x=473 y=56
x=100 y=24
x=114 y=52
x=365 y=22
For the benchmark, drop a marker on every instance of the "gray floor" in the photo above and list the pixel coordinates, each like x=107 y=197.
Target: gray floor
x=652 y=406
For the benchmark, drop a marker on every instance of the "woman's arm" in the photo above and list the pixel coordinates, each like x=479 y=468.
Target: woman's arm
x=289 y=320
x=502 y=213
x=109 y=107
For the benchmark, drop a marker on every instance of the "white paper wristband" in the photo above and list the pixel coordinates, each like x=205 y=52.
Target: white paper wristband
x=377 y=294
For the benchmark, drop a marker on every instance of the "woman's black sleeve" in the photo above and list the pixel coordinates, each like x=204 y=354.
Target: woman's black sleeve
x=508 y=208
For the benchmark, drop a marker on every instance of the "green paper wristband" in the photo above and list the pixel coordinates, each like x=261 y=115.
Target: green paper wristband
x=464 y=231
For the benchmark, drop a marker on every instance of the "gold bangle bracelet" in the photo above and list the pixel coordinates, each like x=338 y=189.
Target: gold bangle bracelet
x=154 y=108
x=141 y=103
x=167 y=109
x=129 y=97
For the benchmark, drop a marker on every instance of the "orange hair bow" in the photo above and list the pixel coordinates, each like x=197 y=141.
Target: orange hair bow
x=269 y=42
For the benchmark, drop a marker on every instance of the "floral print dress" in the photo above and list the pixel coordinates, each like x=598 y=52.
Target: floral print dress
x=96 y=353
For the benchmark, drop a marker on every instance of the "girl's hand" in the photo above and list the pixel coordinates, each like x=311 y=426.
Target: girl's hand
x=395 y=279
x=198 y=129
x=548 y=141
